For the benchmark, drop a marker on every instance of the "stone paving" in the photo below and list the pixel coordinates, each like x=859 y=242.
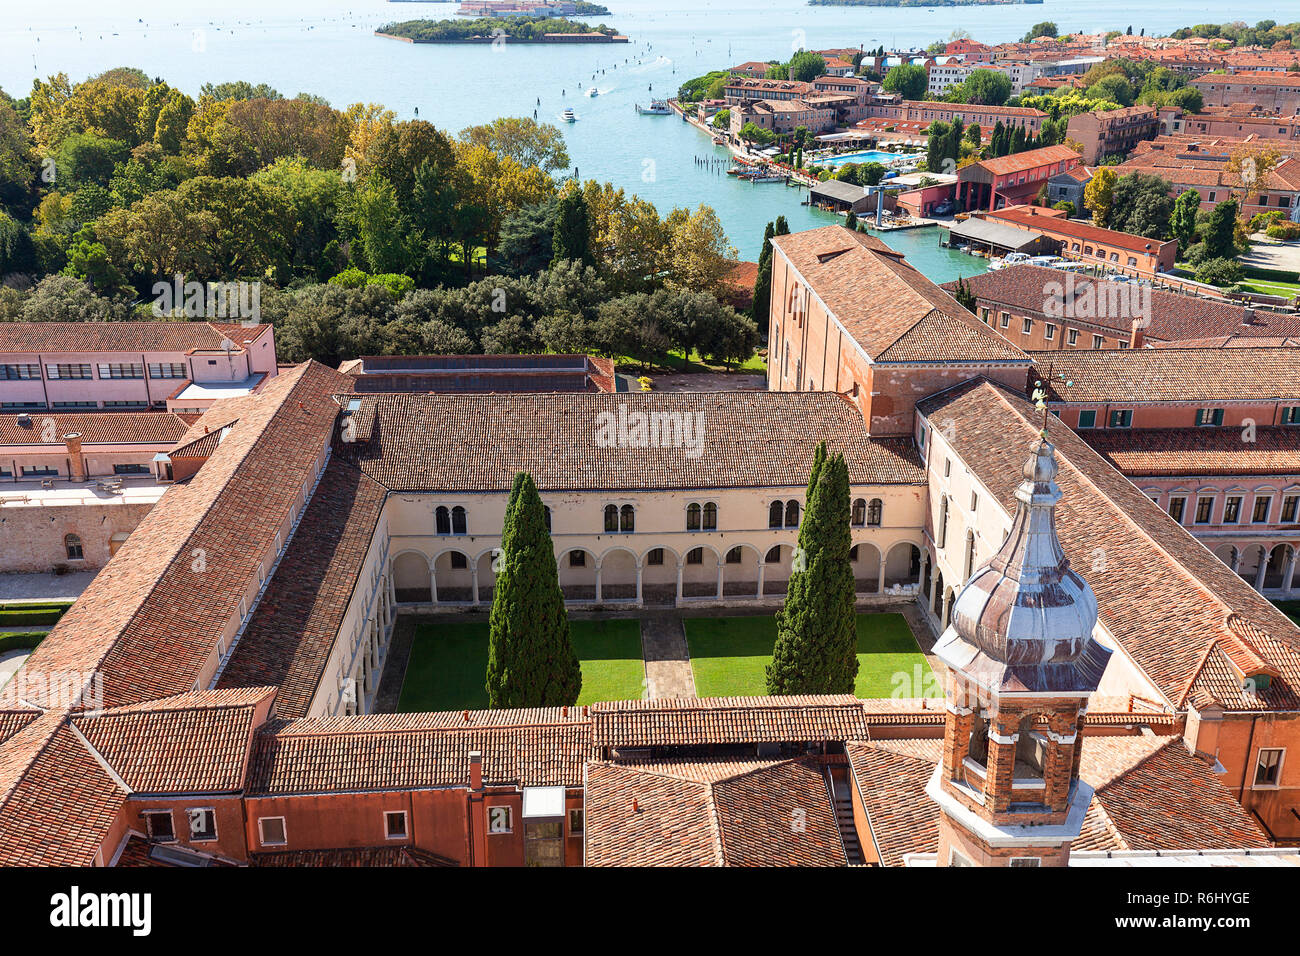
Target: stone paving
x=667 y=660
x=45 y=587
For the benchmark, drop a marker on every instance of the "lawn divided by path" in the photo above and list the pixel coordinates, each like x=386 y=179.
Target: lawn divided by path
x=448 y=664
x=729 y=656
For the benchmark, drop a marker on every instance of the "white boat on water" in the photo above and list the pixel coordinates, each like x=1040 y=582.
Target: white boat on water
x=568 y=115
x=593 y=92
x=656 y=108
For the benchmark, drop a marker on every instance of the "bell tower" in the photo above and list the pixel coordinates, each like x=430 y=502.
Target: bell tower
x=1023 y=663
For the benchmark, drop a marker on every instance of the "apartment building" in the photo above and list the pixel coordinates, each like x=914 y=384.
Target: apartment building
x=1277 y=93
x=1112 y=132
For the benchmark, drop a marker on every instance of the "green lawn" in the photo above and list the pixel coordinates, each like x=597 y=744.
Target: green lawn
x=1290 y=608
x=677 y=363
x=729 y=656
x=448 y=664
x=1272 y=287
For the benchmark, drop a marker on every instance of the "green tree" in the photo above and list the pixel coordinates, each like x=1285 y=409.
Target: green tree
x=763 y=282
x=526 y=141
x=1220 y=233
x=1182 y=220
x=816 y=639
x=987 y=87
x=1140 y=205
x=909 y=80
x=531 y=662
x=805 y=66
x=1045 y=29
x=572 y=236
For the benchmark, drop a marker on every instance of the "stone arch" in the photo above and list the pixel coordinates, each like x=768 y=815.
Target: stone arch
x=412 y=582
x=659 y=581
x=577 y=581
x=1279 y=559
x=903 y=564
x=703 y=579
x=618 y=568
x=776 y=571
x=867 y=562
x=742 y=578
x=1228 y=554
x=453 y=576
x=486 y=576
x=936 y=605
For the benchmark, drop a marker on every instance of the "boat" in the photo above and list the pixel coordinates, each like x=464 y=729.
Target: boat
x=656 y=108
x=568 y=115
x=593 y=92
x=768 y=178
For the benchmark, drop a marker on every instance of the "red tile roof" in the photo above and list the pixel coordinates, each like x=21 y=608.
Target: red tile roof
x=878 y=299
x=122 y=336
x=749 y=439
x=702 y=813
x=1029 y=159
x=1164 y=452
x=727 y=720
x=1179 y=375
x=96 y=428
x=1073 y=229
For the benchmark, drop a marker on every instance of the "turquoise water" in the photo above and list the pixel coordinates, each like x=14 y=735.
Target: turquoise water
x=327 y=47
x=865 y=156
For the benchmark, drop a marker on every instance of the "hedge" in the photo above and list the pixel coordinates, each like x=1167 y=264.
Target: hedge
x=1277 y=275
x=21 y=641
x=26 y=615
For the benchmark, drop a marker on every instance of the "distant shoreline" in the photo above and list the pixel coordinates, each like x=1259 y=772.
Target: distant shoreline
x=558 y=38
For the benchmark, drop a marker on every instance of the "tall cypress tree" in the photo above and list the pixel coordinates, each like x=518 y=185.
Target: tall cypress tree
x=531 y=662
x=816 y=630
x=572 y=236
x=763 y=281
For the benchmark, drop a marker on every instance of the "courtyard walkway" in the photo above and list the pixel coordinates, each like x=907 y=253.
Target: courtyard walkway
x=44 y=587
x=667 y=660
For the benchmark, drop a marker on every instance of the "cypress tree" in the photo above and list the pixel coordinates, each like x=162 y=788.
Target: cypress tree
x=572 y=236
x=763 y=281
x=531 y=662
x=816 y=630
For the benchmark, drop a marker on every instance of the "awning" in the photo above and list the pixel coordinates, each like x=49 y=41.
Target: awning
x=995 y=234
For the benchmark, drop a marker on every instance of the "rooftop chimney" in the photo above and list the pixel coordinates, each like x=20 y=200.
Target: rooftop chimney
x=1248 y=317
x=73 y=441
x=475 y=770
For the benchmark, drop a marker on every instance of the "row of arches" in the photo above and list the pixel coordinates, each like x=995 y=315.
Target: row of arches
x=1265 y=567
x=659 y=575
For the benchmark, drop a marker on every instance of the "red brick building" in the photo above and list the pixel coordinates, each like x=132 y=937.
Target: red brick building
x=1011 y=180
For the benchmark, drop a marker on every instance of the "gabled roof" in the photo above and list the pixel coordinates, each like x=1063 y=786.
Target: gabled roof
x=190 y=743
x=1179 y=375
x=148 y=623
x=1152 y=452
x=95 y=428
x=124 y=336
x=878 y=298
x=540 y=747
x=707 y=813
x=566 y=441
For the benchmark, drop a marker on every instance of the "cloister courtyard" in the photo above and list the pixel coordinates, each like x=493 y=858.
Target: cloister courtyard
x=438 y=662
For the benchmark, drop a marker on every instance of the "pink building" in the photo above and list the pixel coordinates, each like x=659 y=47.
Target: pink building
x=111 y=366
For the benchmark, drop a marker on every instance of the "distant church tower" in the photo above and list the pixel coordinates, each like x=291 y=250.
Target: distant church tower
x=1023 y=663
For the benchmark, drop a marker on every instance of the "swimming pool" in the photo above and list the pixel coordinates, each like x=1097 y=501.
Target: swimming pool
x=864 y=156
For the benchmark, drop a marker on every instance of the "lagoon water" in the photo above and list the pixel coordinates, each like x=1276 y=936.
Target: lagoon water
x=326 y=47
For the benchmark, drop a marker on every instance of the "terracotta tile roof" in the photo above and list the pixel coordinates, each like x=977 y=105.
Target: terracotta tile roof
x=148 y=622
x=12 y=721
x=1260 y=78
x=878 y=298
x=707 y=814
x=526 y=748
x=288 y=641
x=1173 y=316
x=1163 y=596
x=1150 y=794
x=1073 y=229
x=483 y=441
x=96 y=428
x=1029 y=159
x=1150 y=452
x=63 y=806
x=727 y=720
x=121 y=336
x=363 y=856
x=190 y=743
x=1184 y=172
x=1173 y=375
